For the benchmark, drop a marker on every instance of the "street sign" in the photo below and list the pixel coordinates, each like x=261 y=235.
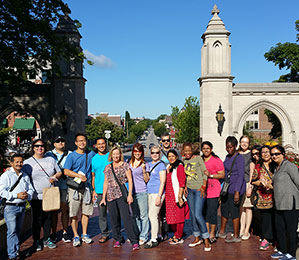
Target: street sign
x=107 y=135
x=107 y=132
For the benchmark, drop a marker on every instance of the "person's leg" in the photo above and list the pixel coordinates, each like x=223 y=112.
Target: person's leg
x=36 y=209
x=164 y=226
x=10 y=216
x=153 y=213
x=267 y=231
x=20 y=220
x=213 y=208
x=74 y=206
x=103 y=224
x=179 y=230
x=115 y=220
x=242 y=221
x=291 y=220
x=84 y=222
x=136 y=215
x=281 y=231
x=191 y=199
x=236 y=225
x=54 y=222
x=64 y=210
x=47 y=224
x=235 y=213
x=127 y=220
x=142 y=201
x=174 y=229
x=224 y=215
x=248 y=213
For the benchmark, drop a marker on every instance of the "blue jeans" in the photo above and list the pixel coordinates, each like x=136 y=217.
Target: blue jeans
x=196 y=204
x=14 y=216
x=140 y=213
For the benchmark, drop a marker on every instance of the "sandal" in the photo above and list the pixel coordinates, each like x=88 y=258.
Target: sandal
x=213 y=240
x=103 y=239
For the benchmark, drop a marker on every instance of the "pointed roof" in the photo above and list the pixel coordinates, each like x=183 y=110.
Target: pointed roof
x=67 y=25
x=216 y=25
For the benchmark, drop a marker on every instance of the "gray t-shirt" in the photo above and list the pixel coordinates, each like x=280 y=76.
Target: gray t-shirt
x=39 y=178
x=194 y=169
x=247 y=160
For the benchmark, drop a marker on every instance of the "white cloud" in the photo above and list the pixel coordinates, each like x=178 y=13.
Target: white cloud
x=99 y=61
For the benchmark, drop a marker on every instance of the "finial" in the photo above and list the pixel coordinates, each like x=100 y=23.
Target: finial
x=215 y=10
x=67 y=10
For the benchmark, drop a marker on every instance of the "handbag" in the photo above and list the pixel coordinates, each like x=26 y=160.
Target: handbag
x=123 y=187
x=254 y=196
x=73 y=184
x=51 y=199
x=3 y=201
x=225 y=186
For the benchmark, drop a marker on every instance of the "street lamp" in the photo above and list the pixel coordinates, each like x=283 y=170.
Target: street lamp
x=63 y=119
x=220 y=119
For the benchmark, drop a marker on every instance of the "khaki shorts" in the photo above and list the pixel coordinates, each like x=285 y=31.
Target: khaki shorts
x=76 y=205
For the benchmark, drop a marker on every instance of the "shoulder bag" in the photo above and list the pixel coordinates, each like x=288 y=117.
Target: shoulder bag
x=3 y=201
x=51 y=196
x=123 y=187
x=225 y=186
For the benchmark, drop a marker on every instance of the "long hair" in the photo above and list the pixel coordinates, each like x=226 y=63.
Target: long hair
x=140 y=148
x=177 y=162
x=211 y=146
x=256 y=147
x=120 y=152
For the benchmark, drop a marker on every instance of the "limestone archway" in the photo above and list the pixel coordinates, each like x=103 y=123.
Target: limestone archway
x=288 y=131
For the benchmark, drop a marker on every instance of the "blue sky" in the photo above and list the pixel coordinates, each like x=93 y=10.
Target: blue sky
x=147 y=52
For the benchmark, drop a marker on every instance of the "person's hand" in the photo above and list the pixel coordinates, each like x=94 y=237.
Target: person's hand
x=143 y=166
x=236 y=197
x=52 y=179
x=168 y=167
x=130 y=199
x=103 y=202
x=94 y=196
x=158 y=201
x=186 y=192
x=22 y=195
x=82 y=177
x=248 y=192
x=181 y=202
x=202 y=191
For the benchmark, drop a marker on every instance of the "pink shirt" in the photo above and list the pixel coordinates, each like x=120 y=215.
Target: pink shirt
x=213 y=166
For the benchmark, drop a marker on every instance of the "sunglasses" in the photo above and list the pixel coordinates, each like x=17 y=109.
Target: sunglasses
x=253 y=154
x=39 y=145
x=275 y=154
x=165 y=140
x=59 y=141
x=136 y=151
x=155 y=152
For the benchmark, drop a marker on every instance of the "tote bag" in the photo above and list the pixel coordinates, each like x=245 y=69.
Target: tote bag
x=51 y=199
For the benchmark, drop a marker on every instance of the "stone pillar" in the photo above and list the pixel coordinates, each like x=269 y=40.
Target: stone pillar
x=215 y=83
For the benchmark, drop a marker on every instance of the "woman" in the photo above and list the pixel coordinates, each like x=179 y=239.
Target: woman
x=118 y=205
x=196 y=172
x=262 y=179
x=286 y=198
x=246 y=206
x=177 y=209
x=156 y=172
x=215 y=172
x=140 y=198
x=230 y=204
x=43 y=172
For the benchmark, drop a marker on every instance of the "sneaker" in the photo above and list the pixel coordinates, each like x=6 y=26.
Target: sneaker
x=264 y=245
x=135 y=247
x=49 y=243
x=37 y=246
x=233 y=239
x=222 y=235
x=151 y=244
x=277 y=255
x=53 y=237
x=66 y=238
x=288 y=257
x=86 y=239
x=117 y=244
x=141 y=242
x=76 y=241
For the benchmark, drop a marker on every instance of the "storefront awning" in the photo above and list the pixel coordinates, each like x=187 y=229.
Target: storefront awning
x=24 y=123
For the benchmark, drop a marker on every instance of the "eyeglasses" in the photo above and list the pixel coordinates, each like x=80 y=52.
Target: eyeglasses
x=155 y=152
x=267 y=152
x=257 y=153
x=59 y=141
x=39 y=145
x=275 y=154
x=165 y=140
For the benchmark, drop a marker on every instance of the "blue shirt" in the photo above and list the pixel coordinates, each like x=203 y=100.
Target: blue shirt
x=8 y=179
x=62 y=184
x=153 y=184
x=76 y=162
x=98 y=163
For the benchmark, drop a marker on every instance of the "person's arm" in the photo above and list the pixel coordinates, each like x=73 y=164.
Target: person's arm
x=105 y=188
x=162 y=175
x=240 y=165
x=73 y=174
x=130 y=182
x=182 y=182
x=292 y=171
x=145 y=172
x=94 y=194
x=4 y=187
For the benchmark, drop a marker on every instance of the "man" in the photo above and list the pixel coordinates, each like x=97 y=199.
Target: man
x=60 y=154
x=15 y=202
x=99 y=162
x=165 y=140
x=78 y=164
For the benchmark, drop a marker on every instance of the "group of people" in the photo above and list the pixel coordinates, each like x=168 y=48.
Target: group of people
x=155 y=198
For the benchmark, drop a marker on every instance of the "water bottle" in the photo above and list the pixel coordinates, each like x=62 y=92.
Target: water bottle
x=95 y=203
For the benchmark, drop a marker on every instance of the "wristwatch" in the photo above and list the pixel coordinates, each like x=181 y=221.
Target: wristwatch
x=212 y=176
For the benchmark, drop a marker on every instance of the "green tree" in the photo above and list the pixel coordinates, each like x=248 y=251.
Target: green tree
x=186 y=121
x=159 y=129
x=276 y=126
x=97 y=128
x=28 y=39
x=3 y=147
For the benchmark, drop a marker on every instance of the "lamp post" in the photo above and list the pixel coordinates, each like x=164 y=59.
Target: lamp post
x=63 y=119
x=220 y=119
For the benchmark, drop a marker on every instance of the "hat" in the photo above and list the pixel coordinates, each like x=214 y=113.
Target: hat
x=58 y=138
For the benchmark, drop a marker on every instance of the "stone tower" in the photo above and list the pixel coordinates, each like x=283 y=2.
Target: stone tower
x=215 y=83
x=69 y=89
